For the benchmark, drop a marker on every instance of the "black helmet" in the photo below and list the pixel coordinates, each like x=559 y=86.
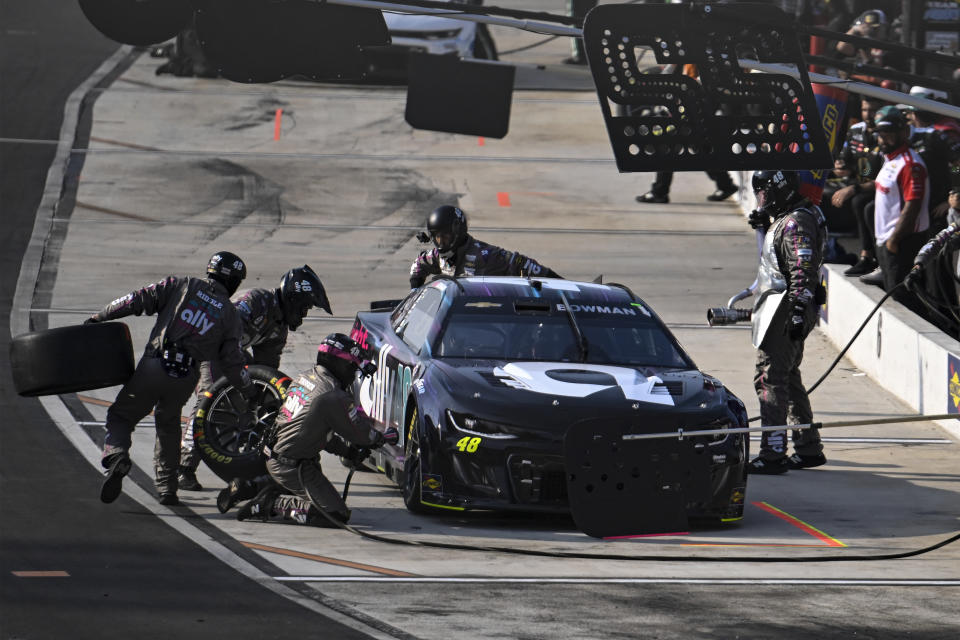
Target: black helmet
x=227 y=269
x=300 y=289
x=447 y=227
x=776 y=191
x=876 y=20
x=343 y=357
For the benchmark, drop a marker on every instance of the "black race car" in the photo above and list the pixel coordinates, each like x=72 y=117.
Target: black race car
x=485 y=378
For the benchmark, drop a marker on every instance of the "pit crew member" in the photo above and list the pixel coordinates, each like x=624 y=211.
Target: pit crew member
x=318 y=414
x=457 y=253
x=789 y=264
x=195 y=323
x=267 y=315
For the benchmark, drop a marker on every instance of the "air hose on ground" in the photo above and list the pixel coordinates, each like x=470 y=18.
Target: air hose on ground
x=610 y=556
x=619 y=556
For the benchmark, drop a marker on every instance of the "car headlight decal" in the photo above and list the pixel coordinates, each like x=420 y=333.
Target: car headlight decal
x=472 y=425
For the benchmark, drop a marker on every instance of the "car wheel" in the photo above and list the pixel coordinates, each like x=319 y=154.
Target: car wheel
x=412 y=479
x=71 y=358
x=484 y=47
x=230 y=450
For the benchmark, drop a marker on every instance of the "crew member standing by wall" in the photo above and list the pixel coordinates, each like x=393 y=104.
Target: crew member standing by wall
x=784 y=314
x=901 y=207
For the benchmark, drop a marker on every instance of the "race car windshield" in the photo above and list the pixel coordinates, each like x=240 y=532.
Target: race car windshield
x=614 y=338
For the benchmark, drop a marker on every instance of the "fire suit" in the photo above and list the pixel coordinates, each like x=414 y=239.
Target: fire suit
x=790 y=262
x=195 y=323
x=264 y=333
x=317 y=415
x=475 y=258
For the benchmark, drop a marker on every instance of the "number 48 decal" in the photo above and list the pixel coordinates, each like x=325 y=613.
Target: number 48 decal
x=468 y=444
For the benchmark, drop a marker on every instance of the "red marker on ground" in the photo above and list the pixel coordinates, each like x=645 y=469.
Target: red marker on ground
x=277 y=119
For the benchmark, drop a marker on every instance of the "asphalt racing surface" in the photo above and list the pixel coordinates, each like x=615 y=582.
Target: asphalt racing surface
x=70 y=567
x=164 y=171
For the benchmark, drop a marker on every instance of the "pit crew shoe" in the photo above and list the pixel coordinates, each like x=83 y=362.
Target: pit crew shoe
x=798 y=461
x=168 y=499
x=187 y=480
x=261 y=507
x=237 y=490
x=722 y=194
x=864 y=265
x=113 y=484
x=768 y=467
x=875 y=277
x=651 y=198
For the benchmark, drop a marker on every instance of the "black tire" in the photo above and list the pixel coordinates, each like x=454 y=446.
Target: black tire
x=412 y=481
x=484 y=48
x=73 y=358
x=229 y=451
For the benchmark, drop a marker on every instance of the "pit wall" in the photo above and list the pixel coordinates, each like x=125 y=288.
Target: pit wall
x=904 y=354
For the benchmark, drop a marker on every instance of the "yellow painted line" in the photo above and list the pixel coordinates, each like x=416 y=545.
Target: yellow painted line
x=800 y=524
x=41 y=574
x=441 y=506
x=327 y=560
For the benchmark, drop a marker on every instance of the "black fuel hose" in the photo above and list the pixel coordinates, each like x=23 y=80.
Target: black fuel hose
x=612 y=556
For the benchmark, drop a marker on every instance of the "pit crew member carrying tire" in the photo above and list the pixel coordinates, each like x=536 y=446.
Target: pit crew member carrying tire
x=318 y=415
x=457 y=253
x=195 y=323
x=267 y=315
x=787 y=300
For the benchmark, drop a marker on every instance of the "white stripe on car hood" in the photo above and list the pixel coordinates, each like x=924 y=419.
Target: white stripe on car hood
x=532 y=376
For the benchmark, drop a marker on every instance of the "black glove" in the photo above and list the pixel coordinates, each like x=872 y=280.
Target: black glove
x=759 y=220
x=92 y=320
x=248 y=406
x=795 y=326
x=250 y=393
x=356 y=455
x=914 y=279
x=390 y=435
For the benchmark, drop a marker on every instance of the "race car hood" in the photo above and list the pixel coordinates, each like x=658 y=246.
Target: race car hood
x=523 y=387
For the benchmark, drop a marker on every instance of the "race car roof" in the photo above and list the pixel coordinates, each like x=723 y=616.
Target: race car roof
x=548 y=288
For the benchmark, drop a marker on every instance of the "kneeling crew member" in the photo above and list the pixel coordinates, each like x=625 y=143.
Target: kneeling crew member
x=195 y=322
x=789 y=265
x=318 y=414
x=267 y=315
x=457 y=253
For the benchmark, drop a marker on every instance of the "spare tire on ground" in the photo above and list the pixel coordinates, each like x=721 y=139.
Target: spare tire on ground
x=231 y=449
x=73 y=358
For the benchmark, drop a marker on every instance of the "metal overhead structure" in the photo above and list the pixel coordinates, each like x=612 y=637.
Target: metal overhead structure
x=547 y=28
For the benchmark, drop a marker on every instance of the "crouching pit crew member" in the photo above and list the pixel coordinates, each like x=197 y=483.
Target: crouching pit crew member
x=457 y=253
x=267 y=315
x=784 y=313
x=318 y=414
x=195 y=323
